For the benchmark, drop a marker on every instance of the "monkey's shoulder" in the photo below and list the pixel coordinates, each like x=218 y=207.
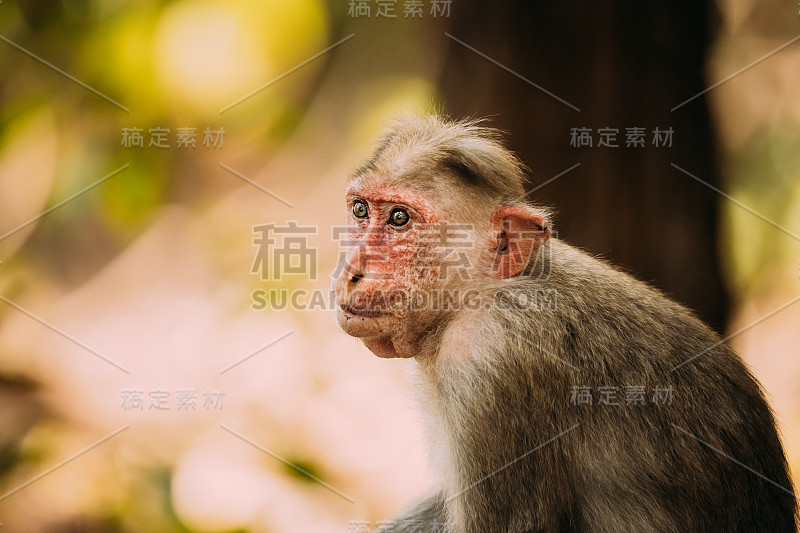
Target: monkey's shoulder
x=588 y=286
x=584 y=306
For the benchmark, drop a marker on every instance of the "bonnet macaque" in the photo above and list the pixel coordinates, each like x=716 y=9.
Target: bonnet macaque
x=560 y=394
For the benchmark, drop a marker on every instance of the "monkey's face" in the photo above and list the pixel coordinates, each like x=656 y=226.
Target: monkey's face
x=391 y=283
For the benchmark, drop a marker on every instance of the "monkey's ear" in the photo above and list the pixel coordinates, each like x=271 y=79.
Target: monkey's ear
x=517 y=232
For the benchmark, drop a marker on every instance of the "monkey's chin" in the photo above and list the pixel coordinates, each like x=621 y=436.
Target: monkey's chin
x=381 y=346
x=372 y=330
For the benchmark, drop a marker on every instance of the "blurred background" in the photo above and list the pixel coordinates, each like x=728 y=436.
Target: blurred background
x=158 y=161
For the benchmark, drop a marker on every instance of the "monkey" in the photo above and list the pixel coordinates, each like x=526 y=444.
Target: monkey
x=498 y=370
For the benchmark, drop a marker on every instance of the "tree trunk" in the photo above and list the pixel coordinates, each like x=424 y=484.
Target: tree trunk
x=624 y=65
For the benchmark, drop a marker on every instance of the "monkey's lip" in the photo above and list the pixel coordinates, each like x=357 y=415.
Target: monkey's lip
x=360 y=311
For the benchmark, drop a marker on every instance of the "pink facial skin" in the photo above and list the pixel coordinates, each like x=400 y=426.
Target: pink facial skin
x=385 y=264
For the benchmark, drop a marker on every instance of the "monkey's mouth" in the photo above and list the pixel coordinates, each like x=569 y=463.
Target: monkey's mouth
x=360 y=312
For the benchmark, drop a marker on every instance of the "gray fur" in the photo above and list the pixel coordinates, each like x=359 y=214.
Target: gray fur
x=514 y=452
x=621 y=468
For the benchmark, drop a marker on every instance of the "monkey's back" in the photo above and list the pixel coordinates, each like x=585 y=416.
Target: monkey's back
x=613 y=409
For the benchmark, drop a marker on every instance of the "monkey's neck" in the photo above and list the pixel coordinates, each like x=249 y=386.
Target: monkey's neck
x=389 y=347
x=458 y=392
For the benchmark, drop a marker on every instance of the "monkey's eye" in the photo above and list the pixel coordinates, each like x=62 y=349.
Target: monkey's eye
x=398 y=217
x=360 y=210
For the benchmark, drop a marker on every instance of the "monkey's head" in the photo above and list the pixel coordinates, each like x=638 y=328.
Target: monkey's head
x=436 y=217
